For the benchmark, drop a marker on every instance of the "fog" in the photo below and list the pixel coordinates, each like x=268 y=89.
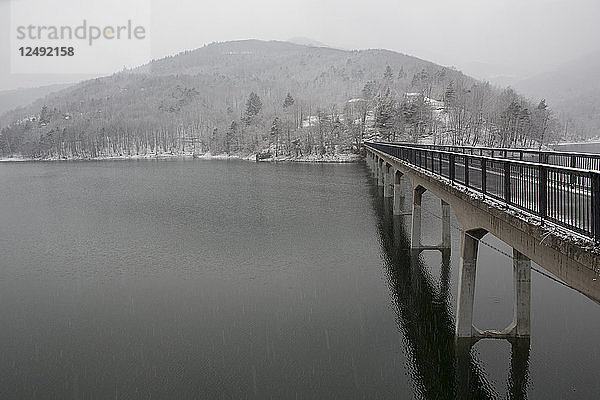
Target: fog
x=481 y=38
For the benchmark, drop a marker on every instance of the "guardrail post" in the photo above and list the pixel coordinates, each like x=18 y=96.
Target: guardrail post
x=507 y=182
x=543 y=191
x=466 y=171
x=596 y=205
x=483 y=176
x=451 y=166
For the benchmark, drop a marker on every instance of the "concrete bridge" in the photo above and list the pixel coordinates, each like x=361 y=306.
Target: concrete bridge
x=549 y=214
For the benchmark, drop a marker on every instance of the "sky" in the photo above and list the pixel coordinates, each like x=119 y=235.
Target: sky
x=477 y=36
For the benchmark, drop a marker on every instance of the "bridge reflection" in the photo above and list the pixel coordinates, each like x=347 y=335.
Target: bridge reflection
x=443 y=367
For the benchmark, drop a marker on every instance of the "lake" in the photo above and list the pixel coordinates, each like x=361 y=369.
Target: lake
x=232 y=280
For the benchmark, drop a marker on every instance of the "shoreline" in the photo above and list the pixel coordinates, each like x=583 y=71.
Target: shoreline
x=338 y=158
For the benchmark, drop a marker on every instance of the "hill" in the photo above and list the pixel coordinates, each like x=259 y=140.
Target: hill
x=11 y=99
x=573 y=90
x=273 y=97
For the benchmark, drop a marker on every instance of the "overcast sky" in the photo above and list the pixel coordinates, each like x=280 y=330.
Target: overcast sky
x=524 y=34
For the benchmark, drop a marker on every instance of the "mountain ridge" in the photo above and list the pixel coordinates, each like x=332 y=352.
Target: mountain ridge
x=573 y=90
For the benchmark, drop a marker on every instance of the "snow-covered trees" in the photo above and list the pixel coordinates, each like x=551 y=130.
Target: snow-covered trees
x=253 y=107
x=385 y=114
x=324 y=100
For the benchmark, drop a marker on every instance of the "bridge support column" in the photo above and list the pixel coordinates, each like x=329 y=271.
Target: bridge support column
x=466 y=282
x=388 y=185
x=446 y=238
x=416 y=217
x=522 y=284
x=373 y=166
x=380 y=172
x=398 y=198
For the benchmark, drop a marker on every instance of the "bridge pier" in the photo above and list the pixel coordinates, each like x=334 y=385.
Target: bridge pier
x=417 y=220
x=521 y=324
x=373 y=165
x=380 y=172
x=415 y=235
x=388 y=185
x=446 y=238
x=398 y=198
x=466 y=281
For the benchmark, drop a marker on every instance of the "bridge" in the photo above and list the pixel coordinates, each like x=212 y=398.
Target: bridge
x=545 y=205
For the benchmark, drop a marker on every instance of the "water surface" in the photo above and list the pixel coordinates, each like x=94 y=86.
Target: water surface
x=219 y=279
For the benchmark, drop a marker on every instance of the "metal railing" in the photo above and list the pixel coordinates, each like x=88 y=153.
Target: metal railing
x=588 y=161
x=566 y=196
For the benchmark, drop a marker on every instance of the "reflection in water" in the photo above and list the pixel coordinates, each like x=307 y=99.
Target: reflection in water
x=442 y=368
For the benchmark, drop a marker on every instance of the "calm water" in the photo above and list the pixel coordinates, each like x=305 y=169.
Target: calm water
x=215 y=279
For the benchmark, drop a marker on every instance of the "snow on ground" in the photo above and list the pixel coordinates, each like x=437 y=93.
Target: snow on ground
x=314 y=158
x=335 y=158
x=13 y=159
x=595 y=140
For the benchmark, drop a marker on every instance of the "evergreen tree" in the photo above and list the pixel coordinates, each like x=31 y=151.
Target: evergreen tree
x=385 y=113
x=449 y=95
x=288 y=102
x=44 y=115
x=388 y=75
x=253 y=107
x=369 y=90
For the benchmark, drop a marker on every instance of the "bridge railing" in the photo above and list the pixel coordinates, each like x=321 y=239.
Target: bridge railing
x=568 y=197
x=588 y=161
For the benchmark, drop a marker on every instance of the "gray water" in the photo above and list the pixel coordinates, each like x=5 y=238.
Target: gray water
x=220 y=279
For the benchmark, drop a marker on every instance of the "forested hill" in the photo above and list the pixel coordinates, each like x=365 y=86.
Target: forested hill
x=286 y=99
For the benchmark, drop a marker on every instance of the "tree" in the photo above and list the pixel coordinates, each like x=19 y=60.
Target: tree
x=231 y=136
x=541 y=119
x=213 y=141
x=288 y=102
x=369 y=90
x=44 y=115
x=275 y=132
x=401 y=74
x=388 y=76
x=385 y=113
x=253 y=107
x=449 y=95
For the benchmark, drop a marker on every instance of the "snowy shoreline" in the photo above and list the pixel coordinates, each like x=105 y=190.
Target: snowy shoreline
x=338 y=158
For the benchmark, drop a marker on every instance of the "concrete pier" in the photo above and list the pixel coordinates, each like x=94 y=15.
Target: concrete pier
x=521 y=326
x=373 y=166
x=415 y=236
x=446 y=237
x=398 y=198
x=466 y=281
x=388 y=185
